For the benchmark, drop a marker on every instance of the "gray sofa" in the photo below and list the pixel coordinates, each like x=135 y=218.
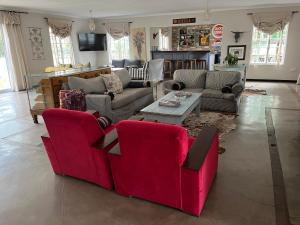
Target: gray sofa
x=123 y=105
x=210 y=84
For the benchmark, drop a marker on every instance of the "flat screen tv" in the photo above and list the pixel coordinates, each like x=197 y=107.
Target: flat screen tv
x=92 y=42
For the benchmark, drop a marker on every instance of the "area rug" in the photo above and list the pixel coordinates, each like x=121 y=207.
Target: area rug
x=250 y=91
x=225 y=123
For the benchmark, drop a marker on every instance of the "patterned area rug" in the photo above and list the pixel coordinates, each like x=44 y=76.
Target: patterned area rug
x=250 y=91
x=225 y=123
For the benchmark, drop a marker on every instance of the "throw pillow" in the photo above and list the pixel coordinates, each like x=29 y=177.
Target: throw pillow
x=72 y=100
x=138 y=84
x=178 y=85
x=93 y=85
x=104 y=121
x=112 y=83
x=124 y=77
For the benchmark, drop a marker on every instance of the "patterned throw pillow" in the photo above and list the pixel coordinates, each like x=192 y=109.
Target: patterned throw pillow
x=113 y=83
x=104 y=121
x=72 y=100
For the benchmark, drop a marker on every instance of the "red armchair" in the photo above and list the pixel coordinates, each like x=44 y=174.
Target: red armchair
x=161 y=163
x=78 y=147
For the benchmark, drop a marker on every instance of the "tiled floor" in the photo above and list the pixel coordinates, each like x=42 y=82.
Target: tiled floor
x=242 y=193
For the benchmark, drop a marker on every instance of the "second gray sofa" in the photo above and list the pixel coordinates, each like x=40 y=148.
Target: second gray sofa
x=210 y=84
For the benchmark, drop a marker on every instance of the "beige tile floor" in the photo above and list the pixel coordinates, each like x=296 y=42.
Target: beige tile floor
x=242 y=193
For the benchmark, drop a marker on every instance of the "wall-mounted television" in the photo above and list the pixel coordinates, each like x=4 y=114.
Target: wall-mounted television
x=92 y=42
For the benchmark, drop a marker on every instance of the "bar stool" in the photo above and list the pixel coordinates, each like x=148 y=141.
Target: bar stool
x=187 y=64
x=193 y=63
x=201 y=64
x=168 y=68
x=179 y=64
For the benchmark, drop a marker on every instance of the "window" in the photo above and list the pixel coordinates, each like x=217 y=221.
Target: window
x=118 y=49
x=268 y=49
x=163 y=40
x=62 y=49
x=4 y=74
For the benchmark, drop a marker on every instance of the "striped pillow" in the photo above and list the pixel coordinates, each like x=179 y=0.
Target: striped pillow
x=104 y=122
x=139 y=73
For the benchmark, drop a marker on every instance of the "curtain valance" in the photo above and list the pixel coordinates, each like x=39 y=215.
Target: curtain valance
x=61 y=28
x=10 y=18
x=117 y=30
x=271 y=22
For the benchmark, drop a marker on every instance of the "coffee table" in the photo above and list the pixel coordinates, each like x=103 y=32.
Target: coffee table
x=172 y=115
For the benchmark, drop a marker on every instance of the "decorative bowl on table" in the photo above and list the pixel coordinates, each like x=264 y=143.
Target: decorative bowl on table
x=169 y=103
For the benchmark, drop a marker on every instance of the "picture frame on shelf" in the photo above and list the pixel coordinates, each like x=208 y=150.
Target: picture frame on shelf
x=238 y=50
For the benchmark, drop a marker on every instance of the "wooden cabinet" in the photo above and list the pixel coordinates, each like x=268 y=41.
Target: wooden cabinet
x=45 y=92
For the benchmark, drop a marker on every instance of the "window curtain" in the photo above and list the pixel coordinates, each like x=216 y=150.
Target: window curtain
x=60 y=28
x=271 y=22
x=117 y=30
x=13 y=36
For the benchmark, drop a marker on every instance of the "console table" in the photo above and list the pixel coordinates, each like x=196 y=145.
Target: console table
x=43 y=89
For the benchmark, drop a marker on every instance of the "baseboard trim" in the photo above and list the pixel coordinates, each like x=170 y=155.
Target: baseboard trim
x=267 y=80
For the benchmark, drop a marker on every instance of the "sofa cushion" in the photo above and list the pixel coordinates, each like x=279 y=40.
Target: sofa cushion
x=93 y=85
x=128 y=62
x=112 y=83
x=194 y=90
x=218 y=79
x=118 y=63
x=210 y=93
x=128 y=96
x=124 y=77
x=191 y=78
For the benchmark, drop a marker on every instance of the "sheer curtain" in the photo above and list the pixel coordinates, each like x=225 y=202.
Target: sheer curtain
x=13 y=36
x=118 y=40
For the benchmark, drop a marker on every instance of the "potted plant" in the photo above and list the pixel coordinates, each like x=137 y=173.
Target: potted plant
x=231 y=59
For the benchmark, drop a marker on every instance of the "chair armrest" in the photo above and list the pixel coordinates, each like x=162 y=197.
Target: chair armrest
x=115 y=150
x=200 y=148
x=167 y=85
x=106 y=140
x=99 y=102
x=238 y=88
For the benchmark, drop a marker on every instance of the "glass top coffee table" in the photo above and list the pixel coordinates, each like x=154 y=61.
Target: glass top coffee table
x=172 y=115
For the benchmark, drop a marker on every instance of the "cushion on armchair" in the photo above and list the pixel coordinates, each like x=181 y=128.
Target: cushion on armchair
x=113 y=83
x=90 y=86
x=124 y=76
x=118 y=63
x=72 y=100
x=178 y=85
x=191 y=78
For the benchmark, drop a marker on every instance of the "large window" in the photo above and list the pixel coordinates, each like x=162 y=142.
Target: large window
x=118 y=49
x=4 y=75
x=62 y=49
x=268 y=49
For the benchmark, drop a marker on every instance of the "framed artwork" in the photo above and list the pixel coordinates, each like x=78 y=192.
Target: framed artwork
x=238 y=50
x=138 y=43
x=35 y=37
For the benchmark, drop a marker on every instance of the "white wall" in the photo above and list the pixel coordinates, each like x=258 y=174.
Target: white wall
x=79 y=25
x=236 y=21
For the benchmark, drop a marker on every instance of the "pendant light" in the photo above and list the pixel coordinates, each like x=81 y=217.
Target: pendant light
x=92 y=25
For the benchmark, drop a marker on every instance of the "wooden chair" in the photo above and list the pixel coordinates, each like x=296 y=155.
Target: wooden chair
x=168 y=68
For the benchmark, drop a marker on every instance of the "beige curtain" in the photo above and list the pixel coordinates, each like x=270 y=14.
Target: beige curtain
x=117 y=30
x=60 y=28
x=15 y=48
x=271 y=22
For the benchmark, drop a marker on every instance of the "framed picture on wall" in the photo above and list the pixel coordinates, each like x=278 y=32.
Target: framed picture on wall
x=238 y=50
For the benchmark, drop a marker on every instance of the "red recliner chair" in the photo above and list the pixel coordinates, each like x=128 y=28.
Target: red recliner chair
x=78 y=147
x=161 y=163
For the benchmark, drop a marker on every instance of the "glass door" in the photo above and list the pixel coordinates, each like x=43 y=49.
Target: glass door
x=4 y=75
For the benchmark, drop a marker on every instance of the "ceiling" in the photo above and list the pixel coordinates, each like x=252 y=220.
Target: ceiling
x=127 y=8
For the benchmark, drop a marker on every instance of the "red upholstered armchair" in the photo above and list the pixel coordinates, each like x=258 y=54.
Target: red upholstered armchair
x=161 y=163
x=78 y=147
